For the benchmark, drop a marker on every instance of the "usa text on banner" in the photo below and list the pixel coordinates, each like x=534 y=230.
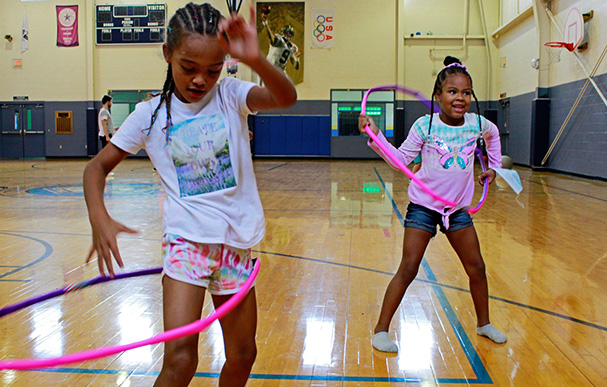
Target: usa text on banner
x=323 y=28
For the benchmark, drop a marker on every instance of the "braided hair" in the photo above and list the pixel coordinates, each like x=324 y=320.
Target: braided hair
x=201 y=19
x=452 y=66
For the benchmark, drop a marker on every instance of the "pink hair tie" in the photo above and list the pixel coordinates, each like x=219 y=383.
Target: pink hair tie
x=455 y=64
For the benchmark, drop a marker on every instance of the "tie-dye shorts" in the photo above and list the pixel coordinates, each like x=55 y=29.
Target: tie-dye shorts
x=220 y=268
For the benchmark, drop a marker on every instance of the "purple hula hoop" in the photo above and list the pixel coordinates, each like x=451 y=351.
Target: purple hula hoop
x=475 y=209
x=400 y=165
x=97 y=280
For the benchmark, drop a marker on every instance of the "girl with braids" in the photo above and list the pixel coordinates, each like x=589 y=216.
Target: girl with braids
x=196 y=135
x=446 y=140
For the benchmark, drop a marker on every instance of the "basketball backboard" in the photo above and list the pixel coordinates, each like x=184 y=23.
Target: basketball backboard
x=573 y=32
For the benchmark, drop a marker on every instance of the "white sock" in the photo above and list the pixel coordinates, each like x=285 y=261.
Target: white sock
x=492 y=333
x=381 y=342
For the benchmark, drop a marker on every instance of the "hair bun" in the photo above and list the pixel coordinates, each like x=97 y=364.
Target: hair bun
x=450 y=60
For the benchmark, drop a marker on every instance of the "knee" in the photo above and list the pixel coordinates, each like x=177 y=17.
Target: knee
x=476 y=271
x=181 y=363
x=407 y=272
x=242 y=357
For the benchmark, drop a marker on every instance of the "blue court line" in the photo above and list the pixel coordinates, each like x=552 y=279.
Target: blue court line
x=48 y=251
x=122 y=236
x=526 y=306
x=278 y=166
x=215 y=375
x=565 y=190
x=473 y=358
x=436 y=283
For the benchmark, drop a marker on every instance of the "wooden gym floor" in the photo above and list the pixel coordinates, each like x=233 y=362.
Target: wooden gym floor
x=333 y=240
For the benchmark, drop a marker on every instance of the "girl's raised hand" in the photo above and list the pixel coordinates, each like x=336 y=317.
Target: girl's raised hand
x=239 y=38
x=364 y=120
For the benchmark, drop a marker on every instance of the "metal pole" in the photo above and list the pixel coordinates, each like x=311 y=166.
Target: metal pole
x=575 y=105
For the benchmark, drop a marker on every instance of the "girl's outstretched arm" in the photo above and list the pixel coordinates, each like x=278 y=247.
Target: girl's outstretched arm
x=494 y=152
x=242 y=44
x=104 y=228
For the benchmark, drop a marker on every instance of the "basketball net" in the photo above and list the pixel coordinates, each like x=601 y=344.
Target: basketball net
x=554 y=53
x=555 y=48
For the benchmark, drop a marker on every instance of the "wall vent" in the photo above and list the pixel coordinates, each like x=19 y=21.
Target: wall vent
x=63 y=123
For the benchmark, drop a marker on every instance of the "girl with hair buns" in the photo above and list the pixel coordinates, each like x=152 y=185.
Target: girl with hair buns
x=447 y=141
x=195 y=133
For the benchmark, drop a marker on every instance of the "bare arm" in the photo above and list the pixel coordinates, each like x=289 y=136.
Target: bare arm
x=494 y=151
x=104 y=228
x=242 y=44
x=278 y=91
x=267 y=29
x=104 y=126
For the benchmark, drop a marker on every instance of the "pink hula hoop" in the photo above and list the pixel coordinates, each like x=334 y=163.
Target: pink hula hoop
x=401 y=166
x=186 y=330
x=396 y=161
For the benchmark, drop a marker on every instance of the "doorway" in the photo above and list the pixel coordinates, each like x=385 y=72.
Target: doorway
x=22 y=131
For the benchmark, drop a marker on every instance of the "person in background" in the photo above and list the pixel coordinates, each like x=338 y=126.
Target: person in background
x=104 y=119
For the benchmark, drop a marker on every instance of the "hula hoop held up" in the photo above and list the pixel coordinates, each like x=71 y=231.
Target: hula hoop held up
x=406 y=170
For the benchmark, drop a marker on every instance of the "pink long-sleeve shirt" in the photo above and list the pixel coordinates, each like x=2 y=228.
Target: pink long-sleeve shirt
x=447 y=159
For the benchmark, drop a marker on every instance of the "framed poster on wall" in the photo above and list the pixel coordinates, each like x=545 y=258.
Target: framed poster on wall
x=280 y=30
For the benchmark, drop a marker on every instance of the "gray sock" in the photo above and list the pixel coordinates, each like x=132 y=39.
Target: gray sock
x=381 y=342
x=492 y=333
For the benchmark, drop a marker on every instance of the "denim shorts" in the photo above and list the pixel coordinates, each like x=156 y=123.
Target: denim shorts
x=425 y=219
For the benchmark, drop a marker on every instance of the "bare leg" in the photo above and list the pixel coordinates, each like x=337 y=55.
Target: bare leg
x=465 y=243
x=414 y=246
x=238 y=328
x=182 y=304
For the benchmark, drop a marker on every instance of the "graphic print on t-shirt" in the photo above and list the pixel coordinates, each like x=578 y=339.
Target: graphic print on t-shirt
x=462 y=155
x=201 y=154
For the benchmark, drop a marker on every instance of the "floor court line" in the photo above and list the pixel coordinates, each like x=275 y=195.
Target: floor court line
x=437 y=283
x=48 y=251
x=215 y=375
x=565 y=190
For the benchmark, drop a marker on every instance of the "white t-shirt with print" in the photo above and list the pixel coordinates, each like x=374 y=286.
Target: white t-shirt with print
x=205 y=167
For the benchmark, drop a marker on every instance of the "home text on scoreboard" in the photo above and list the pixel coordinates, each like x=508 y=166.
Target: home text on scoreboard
x=131 y=24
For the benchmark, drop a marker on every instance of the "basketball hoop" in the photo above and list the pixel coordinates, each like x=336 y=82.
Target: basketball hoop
x=568 y=46
x=555 y=49
x=573 y=34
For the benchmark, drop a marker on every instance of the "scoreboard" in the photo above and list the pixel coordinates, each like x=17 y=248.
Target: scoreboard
x=130 y=24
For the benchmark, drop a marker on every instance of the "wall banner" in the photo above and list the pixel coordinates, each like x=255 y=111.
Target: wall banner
x=67 y=26
x=322 y=28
